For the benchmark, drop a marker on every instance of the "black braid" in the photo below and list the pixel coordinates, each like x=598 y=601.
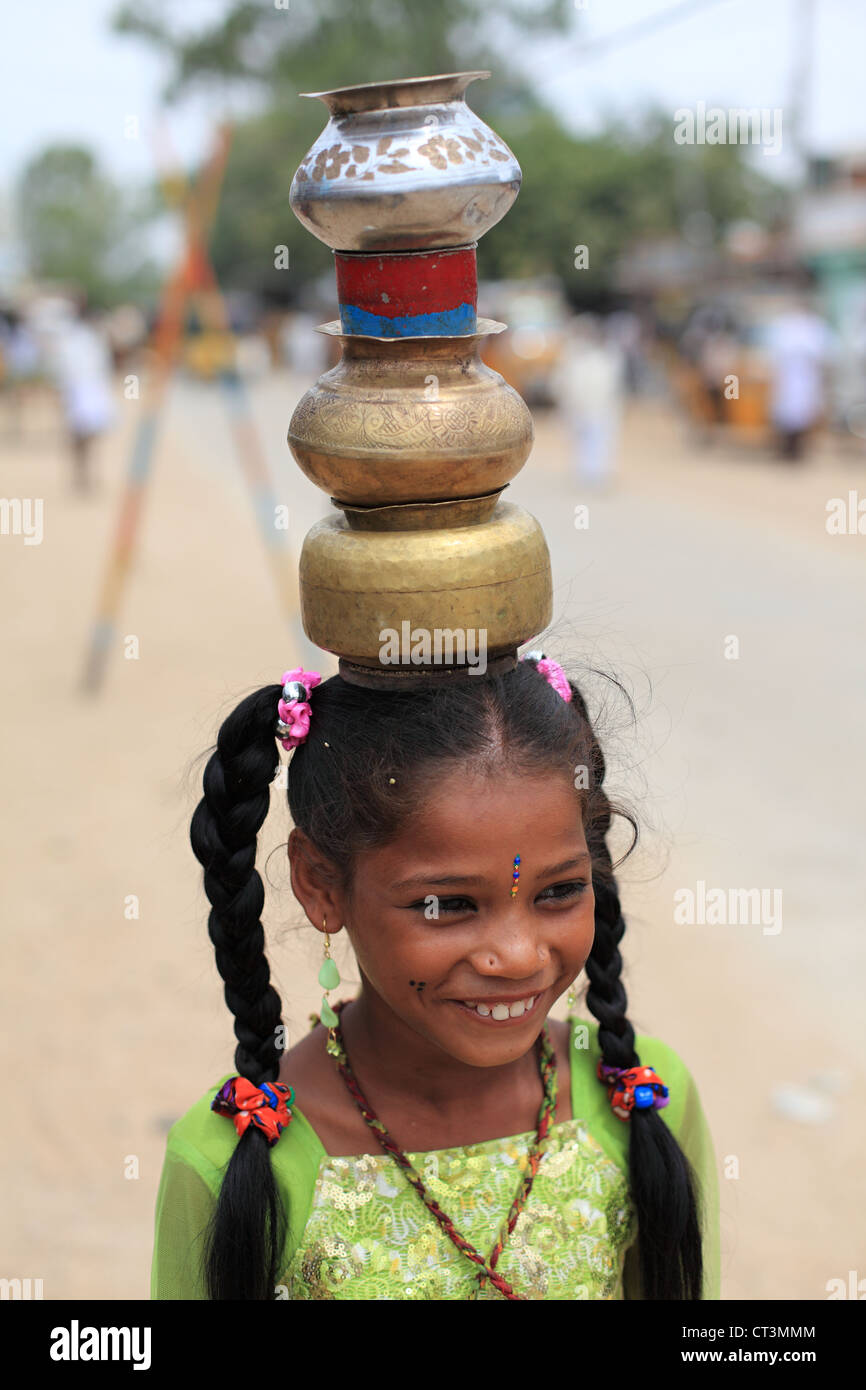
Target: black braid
x=662 y=1183
x=246 y=1233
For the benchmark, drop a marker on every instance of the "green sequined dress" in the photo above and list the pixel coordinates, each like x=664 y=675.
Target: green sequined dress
x=358 y=1230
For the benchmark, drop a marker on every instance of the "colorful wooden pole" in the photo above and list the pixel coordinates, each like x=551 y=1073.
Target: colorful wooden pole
x=167 y=339
x=194 y=280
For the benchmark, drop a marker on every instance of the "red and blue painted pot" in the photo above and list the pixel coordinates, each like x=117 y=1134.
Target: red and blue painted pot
x=410 y=294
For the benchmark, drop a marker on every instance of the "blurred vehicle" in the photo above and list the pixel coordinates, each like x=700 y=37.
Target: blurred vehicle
x=723 y=374
x=207 y=352
x=527 y=353
x=222 y=334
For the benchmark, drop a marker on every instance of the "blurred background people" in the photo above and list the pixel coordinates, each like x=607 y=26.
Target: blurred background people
x=800 y=346
x=625 y=328
x=588 y=384
x=303 y=349
x=717 y=359
x=20 y=365
x=82 y=367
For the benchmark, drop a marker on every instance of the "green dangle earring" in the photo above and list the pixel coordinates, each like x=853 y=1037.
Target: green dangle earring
x=329 y=978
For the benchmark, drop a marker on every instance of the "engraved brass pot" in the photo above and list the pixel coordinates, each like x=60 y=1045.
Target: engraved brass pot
x=491 y=576
x=410 y=419
x=404 y=165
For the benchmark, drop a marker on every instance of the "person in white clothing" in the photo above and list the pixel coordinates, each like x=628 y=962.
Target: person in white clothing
x=82 y=370
x=800 y=345
x=588 y=384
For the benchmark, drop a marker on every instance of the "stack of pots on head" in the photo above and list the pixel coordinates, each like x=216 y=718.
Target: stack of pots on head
x=413 y=438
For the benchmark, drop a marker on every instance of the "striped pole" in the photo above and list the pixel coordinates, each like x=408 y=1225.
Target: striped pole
x=167 y=337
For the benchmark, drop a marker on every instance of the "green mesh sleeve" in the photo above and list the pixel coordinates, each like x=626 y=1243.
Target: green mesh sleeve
x=184 y=1205
x=685 y=1118
x=199 y=1147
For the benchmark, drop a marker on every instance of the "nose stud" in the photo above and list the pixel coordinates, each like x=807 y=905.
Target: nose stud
x=515 y=875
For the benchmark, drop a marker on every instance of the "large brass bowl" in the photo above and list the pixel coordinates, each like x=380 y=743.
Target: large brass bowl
x=410 y=419
x=491 y=577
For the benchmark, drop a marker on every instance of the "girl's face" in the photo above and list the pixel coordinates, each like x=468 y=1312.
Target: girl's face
x=436 y=930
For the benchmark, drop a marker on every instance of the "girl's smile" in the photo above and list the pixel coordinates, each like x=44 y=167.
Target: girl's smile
x=502 y=1011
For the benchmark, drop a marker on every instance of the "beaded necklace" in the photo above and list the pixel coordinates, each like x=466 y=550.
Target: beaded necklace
x=547 y=1068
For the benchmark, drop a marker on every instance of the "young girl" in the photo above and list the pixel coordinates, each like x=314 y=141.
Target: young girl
x=442 y=1138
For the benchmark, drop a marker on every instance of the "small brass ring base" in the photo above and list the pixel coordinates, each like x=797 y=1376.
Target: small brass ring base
x=417 y=677
x=421 y=516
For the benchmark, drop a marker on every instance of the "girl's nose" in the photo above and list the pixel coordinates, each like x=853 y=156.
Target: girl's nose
x=512 y=950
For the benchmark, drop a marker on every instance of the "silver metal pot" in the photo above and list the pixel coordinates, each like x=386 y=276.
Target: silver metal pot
x=404 y=165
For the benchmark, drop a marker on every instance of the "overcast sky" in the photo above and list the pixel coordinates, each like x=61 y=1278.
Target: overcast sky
x=65 y=76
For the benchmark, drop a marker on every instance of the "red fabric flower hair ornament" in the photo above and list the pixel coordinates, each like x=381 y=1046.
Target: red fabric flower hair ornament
x=632 y=1088
x=265 y=1106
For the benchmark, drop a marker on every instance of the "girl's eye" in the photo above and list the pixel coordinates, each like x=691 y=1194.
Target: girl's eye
x=444 y=905
x=561 y=892
x=558 y=892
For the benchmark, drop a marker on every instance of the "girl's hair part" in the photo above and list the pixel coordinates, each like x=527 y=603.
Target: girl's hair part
x=369 y=761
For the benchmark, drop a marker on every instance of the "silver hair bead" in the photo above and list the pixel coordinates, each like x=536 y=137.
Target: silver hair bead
x=533 y=656
x=293 y=690
x=283 y=730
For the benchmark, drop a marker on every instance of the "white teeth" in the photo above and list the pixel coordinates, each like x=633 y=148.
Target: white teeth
x=502 y=1011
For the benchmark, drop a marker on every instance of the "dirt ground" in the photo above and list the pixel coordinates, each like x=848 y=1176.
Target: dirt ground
x=744 y=773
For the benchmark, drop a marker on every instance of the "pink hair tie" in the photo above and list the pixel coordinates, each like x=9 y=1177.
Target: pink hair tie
x=293 y=708
x=552 y=672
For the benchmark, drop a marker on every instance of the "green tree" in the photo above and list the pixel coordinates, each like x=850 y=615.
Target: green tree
x=294 y=47
x=76 y=226
x=281 y=52
x=605 y=192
